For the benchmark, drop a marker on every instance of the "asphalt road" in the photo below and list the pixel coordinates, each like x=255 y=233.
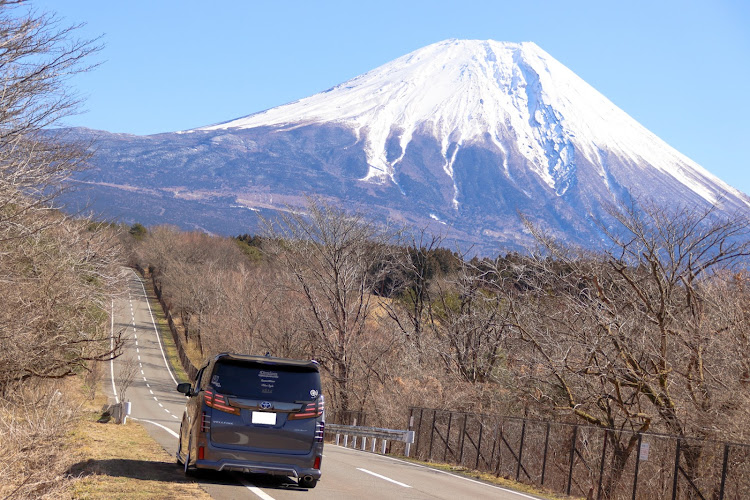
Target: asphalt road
x=347 y=473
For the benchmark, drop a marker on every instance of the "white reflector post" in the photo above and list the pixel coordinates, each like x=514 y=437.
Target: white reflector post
x=125 y=411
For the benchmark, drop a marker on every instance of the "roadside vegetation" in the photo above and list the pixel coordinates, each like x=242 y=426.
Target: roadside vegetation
x=57 y=273
x=123 y=462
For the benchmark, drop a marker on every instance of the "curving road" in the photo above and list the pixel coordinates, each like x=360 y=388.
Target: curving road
x=347 y=473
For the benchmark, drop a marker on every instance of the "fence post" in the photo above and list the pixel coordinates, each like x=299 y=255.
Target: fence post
x=432 y=433
x=676 y=469
x=520 y=450
x=479 y=446
x=419 y=430
x=546 y=446
x=463 y=437
x=494 y=446
x=448 y=438
x=572 y=459
x=601 y=464
x=724 y=471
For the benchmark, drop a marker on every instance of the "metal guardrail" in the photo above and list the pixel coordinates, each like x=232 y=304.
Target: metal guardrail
x=373 y=433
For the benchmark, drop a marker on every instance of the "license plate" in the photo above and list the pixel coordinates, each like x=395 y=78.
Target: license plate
x=264 y=417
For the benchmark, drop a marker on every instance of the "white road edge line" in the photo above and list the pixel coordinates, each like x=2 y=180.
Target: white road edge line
x=158 y=338
x=254 y=489
x=458 y=477
x=112 y=348
x=383 y=477
x=173 y=433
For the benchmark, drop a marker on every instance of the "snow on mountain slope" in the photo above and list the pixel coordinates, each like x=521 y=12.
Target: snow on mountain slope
x=500 y=94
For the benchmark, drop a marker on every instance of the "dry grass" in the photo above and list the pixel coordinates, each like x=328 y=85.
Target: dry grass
x=33 y=425
x=124 y=462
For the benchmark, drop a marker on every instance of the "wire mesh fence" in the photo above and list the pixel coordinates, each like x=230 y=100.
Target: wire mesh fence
x=581 y=460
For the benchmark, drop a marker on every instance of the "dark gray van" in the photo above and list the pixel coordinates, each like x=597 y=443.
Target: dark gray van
x=254 y=414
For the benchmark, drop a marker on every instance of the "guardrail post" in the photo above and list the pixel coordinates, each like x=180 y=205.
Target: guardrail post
x=372 y=450
x=409 y=441
x=382 y=447
x=338 y=437
x=346 y=440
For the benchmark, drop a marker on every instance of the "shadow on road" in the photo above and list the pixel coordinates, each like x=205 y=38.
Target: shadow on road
x=147 y=470
x=266 y=481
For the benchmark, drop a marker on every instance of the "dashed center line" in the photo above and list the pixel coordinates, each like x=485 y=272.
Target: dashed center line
x=133 y=304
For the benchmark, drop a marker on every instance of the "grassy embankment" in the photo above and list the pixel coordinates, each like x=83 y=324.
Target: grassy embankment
x=124 y=462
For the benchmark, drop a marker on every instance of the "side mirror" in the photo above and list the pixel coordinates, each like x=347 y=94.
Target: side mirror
x=185 y=388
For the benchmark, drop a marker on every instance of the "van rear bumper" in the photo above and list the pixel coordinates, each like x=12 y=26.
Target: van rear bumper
x=258 y=468
x=280 y=464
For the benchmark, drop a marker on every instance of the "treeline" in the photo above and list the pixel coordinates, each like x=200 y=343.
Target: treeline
x=57 y=273
x=650 y=336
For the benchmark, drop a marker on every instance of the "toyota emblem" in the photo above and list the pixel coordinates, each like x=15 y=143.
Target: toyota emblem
x=265 y=405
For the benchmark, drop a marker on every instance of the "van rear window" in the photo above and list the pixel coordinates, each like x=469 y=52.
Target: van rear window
x=262 y=381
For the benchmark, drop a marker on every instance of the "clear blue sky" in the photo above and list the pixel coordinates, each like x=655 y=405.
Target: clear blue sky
x=681 y=68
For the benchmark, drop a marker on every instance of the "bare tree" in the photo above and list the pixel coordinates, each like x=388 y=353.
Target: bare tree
x=37 y=56
x=632 y=340
x=128 y=369
x=470 y=322
x=329 y=256
x=415 y=271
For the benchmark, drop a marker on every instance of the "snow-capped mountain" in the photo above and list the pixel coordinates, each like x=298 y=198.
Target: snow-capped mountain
x=467 y=133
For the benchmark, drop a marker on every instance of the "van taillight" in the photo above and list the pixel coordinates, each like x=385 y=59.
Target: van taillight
x=310 y=410
x=219 y=402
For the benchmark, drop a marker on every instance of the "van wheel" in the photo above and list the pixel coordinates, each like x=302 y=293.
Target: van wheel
x=307 y=483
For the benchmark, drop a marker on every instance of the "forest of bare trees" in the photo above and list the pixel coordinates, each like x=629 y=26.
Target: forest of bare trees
x=648 y=336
